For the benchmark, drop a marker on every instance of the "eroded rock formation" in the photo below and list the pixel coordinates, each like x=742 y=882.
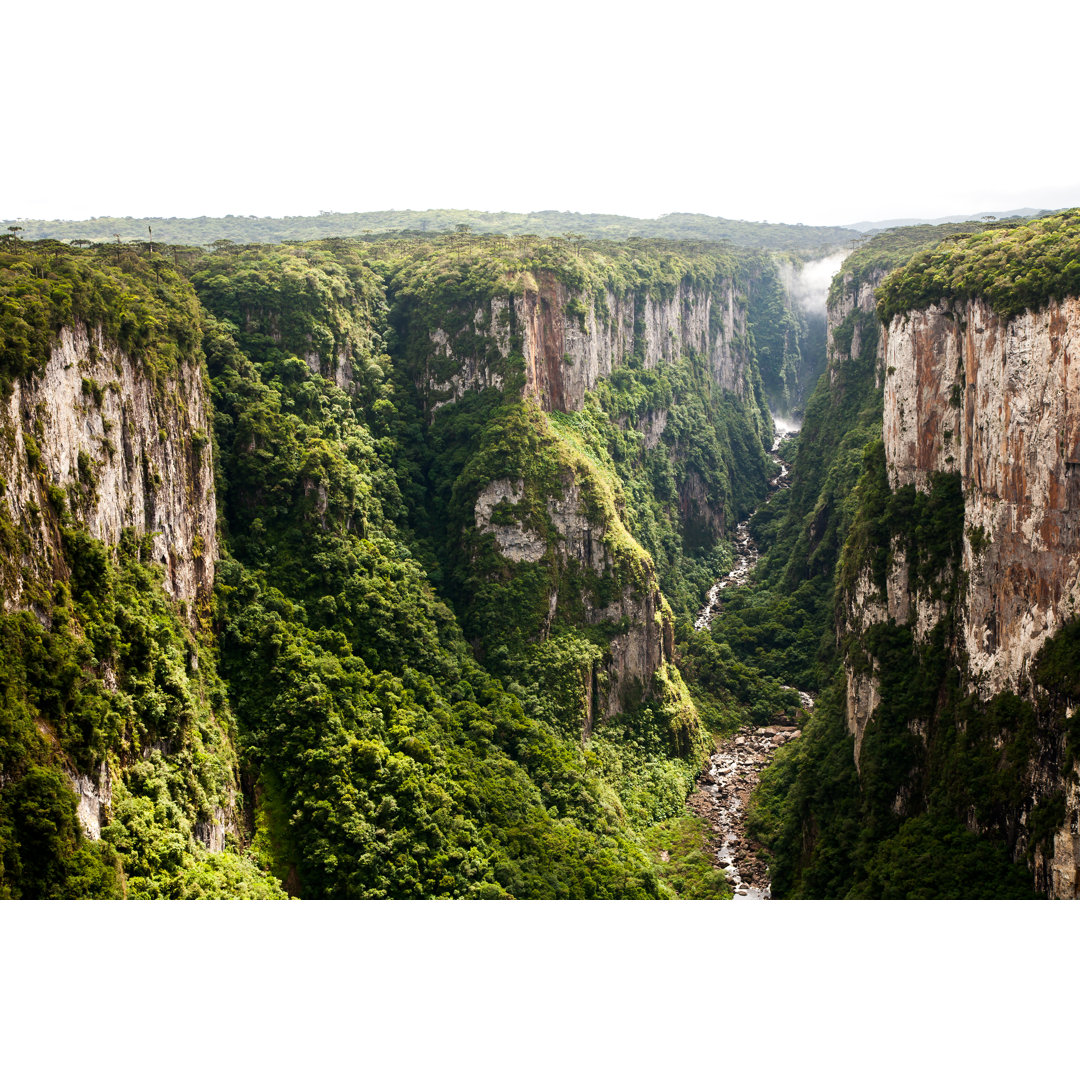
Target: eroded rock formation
x=570 y=341
x=998 y=404
x=122 y=451
x=573 y=536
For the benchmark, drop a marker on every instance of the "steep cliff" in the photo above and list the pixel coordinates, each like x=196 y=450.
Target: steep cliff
x=108 y=547
x=442 y=631
x=997 y=402
x=111 y=447
x=972 y=551
x=446 y=654
x=570 y=339
x=787 y=313
x=990 y=402
x=559 y=522
x=561 y=379
x=905 y=782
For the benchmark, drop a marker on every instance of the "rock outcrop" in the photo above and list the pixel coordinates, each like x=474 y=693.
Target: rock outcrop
x=997 y=403
x=97 y=441
x=570 y=340
x=578 y=540
x=853 y=336
x=547 y=344
x=102 y=441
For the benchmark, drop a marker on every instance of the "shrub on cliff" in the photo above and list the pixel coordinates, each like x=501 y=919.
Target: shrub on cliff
x=1014 y=267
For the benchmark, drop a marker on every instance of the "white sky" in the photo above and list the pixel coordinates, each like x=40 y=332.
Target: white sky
x=824 y=113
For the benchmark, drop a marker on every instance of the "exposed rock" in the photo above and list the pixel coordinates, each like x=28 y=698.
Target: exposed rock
x=634 y=655
x=1064 y=877
x=579 y=539
x=994 y=402
x=570 y=341
x=513 y=540
x=997 y=403
x=724 y=808
x=563 y=342
x=122 y=450
x=746 y=551
x=113 y=447
x=468 y=372
x=211 y=834
x=95 y=797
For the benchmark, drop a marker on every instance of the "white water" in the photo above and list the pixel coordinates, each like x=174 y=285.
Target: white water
x=746 y=552
x=725 y=786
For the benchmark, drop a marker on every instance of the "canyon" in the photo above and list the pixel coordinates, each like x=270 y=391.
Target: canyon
x=376 y=568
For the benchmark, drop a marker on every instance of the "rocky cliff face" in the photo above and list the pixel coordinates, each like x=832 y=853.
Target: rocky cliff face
x=995 y=403
x=998 y=404
x=575 y=538
x=96 y=442
x=852 y=330
x=570 y=341
x=851 y=326
x=552 y=344
x=966 y=392
x=94 y=438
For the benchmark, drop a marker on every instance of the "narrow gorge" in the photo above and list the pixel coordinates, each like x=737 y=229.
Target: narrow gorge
x=515 y=567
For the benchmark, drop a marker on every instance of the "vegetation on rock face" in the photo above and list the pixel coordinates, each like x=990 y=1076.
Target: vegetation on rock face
x=783 y=624
x=785 y=621
x=386 y=703
x=877 y=255
x=388 y=762
x=934 y=758
x=141 y=304
x=679 y=847
x=112 y=685
x=777 y=330
x=373 y=707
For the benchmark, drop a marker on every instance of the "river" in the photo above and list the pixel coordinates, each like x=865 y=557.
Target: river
x=746 y=552
x=723 y=789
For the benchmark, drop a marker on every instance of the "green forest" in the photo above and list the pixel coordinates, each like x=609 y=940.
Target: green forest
x=547 y=223
x=450 y=646
x=382 y=704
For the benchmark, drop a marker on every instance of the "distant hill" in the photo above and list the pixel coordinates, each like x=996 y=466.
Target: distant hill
x=980 y=215
x=268 y=230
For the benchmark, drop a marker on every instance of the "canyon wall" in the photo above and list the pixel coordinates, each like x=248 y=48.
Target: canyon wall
x=999 y=404
x=533 y=339
x=573 y=539
x=992 y=403
x=96 y=440
x=547 y=344
x=570 y=340
x=854 y=338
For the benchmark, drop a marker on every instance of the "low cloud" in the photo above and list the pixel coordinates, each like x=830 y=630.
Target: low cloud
x=809 y=285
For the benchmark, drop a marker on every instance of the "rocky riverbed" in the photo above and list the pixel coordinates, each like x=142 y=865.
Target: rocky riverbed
x=724 y=787
x=722 y=795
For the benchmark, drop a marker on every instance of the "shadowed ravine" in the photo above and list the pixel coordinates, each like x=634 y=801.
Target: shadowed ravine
x=723 y=789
